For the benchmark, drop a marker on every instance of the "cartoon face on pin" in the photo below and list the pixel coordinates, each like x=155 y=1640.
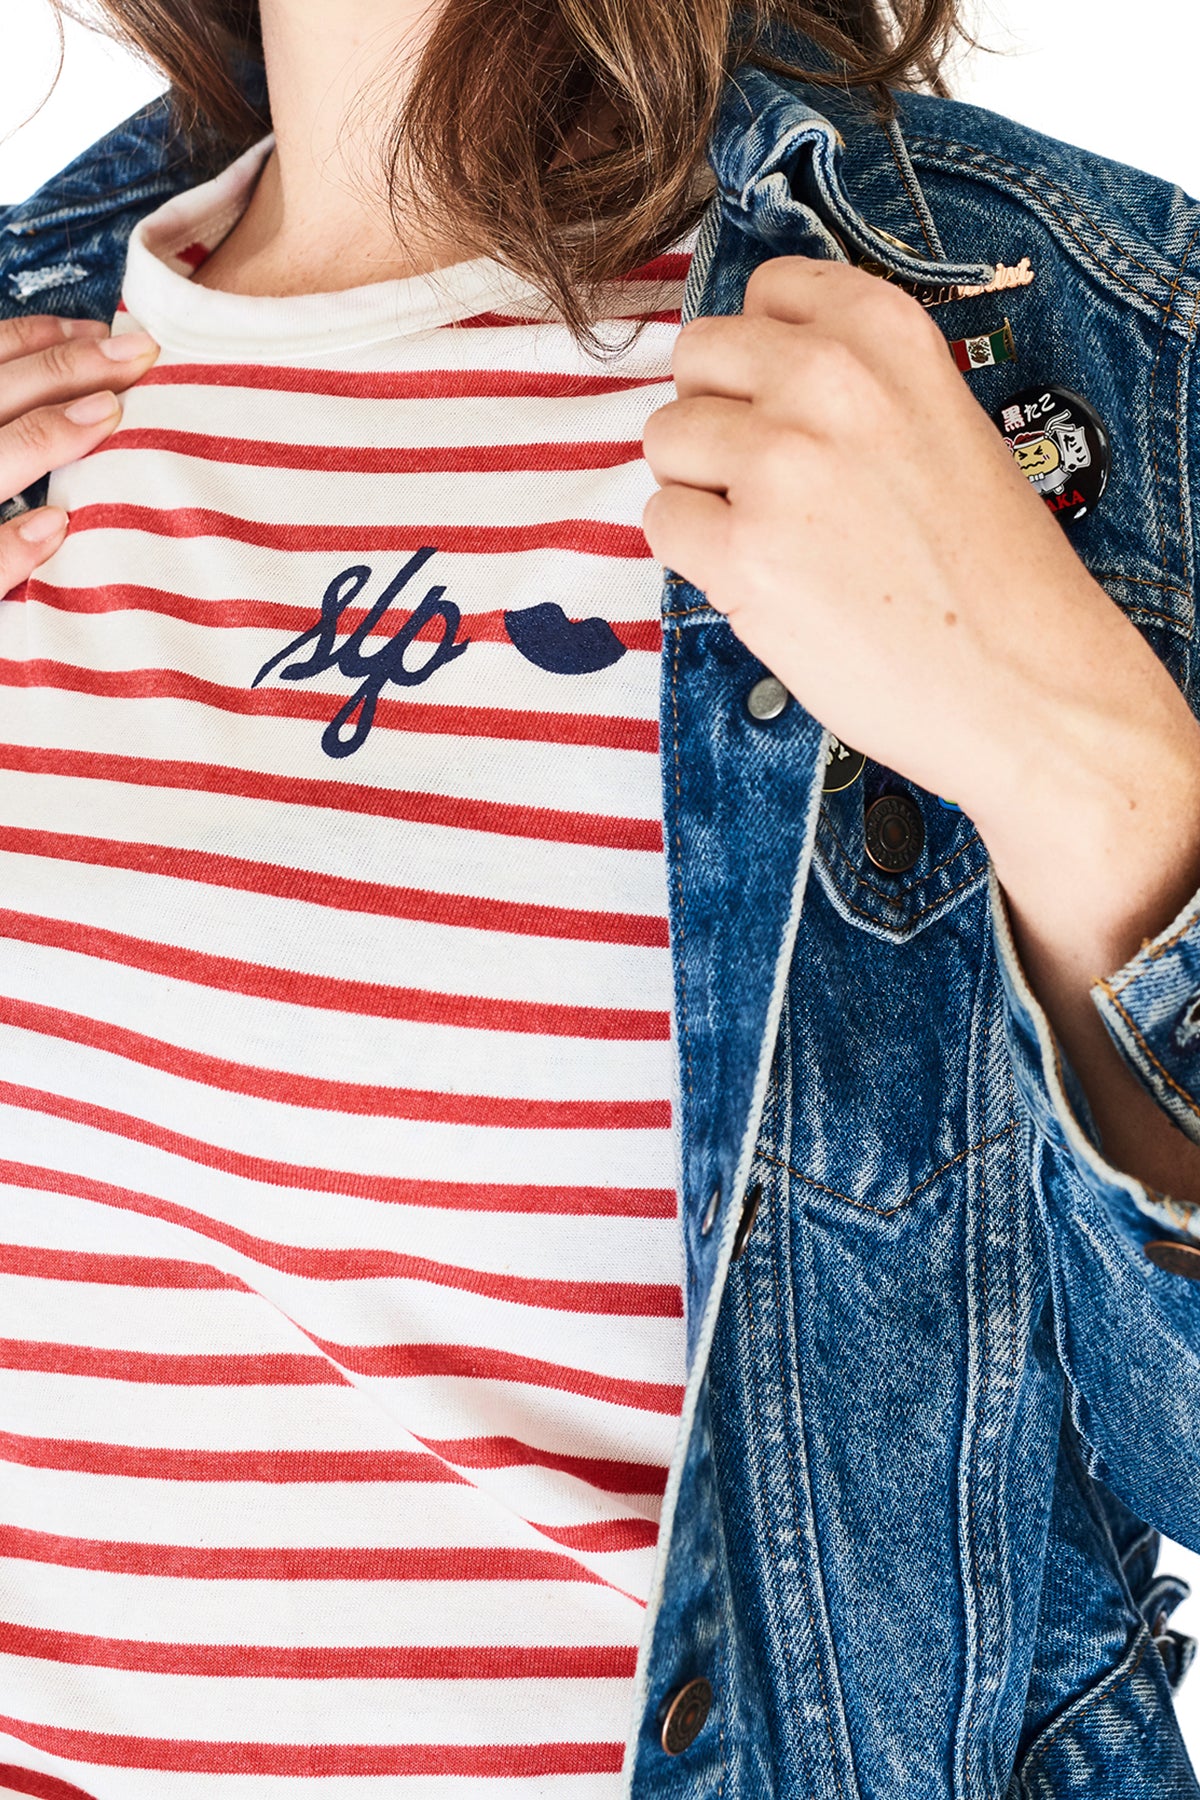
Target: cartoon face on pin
x=1036 y=455
x=1059 y=442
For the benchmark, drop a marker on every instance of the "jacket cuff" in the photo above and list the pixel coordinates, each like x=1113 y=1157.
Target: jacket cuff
x=1054 y=1096
x=1152 y=1010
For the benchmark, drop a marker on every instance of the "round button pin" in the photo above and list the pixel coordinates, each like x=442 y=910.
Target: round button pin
x=1060 y=443
x=895 y=833
x=843 y=766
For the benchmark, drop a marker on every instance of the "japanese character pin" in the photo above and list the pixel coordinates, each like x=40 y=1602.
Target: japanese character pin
x=1061 y=444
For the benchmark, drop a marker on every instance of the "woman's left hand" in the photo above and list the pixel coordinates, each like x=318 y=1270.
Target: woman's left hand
x=830 y=482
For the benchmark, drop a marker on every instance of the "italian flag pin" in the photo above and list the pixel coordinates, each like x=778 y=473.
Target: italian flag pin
x=983 y=351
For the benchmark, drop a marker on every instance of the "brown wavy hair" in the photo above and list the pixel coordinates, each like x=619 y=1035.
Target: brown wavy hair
x=491 y=126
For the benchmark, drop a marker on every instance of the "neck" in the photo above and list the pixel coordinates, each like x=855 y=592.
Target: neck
x=319 y=220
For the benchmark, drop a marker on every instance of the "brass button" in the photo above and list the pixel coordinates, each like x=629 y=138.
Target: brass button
x=686 y=1712
x=1175 y=1258
x=746 y=1222
x=767 y=699
x=895 y=833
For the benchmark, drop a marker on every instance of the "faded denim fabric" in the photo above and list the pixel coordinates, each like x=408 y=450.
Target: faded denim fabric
x=941 y=1406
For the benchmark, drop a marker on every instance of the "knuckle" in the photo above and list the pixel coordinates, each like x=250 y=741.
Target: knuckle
x=60 y=364
x=24 y=334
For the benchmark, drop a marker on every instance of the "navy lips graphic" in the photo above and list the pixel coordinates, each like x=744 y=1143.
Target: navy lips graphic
x=547 y=638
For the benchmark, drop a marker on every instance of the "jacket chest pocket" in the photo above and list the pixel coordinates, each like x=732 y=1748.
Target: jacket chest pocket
x=932 y=857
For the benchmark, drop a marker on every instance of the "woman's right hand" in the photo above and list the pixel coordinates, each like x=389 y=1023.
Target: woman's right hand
x=59 y=381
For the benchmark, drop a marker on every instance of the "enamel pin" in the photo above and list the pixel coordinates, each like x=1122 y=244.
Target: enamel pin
x=1060 y=443
x=982 y=352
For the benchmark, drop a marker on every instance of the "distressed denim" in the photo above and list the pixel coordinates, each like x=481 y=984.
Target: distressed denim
x=941 y=1407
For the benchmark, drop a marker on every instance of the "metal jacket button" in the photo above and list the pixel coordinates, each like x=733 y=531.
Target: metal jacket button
x=767 y=699
x=1175 y=1258
x=895 y=833
x=686 y=1712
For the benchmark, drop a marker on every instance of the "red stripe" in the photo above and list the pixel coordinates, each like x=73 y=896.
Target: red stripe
x=314 y=1092
x=406 y=1362
x=193 y=255
x=382 y=1362
x=380 y=384
x=330 y=993
x=296 y=703
x=186 y=1756
x=321 y=1662
x=340 y=892
x=605 y=1535
x=511 y=1453
x=625 y=1203
x=672 y=265
x=340 y=796
x=44 y=1787
x=203 y=1562
x=611 y=1299
x=382 y=459
x=284 y=1467
x=278 y=1369
x=276 y=615
x=590 y=537
x=106 y=1270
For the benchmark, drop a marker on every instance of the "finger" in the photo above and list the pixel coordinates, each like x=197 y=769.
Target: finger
x=25 y=543
x=887 y=328
x=73 y=367
x=700 y=442
x=52 y=436
x=736 y=357
x=43 y=331
x=687 y=530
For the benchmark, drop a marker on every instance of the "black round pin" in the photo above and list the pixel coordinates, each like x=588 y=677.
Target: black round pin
x=1060 y=442
x=843 y=766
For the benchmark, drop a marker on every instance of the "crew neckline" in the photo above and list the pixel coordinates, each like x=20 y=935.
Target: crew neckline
x=185 y=318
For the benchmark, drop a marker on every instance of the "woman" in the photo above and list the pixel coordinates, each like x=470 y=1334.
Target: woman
x=418 y=1018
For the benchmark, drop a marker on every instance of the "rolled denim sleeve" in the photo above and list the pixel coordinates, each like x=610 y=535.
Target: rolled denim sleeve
x=1152 y=1010
x=1127 y=1330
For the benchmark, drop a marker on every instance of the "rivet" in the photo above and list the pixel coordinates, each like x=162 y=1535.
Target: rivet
x=767 y=699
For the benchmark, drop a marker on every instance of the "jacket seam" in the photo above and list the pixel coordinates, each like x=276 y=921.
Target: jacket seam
x=969 y=155
x=905 y=924
x=907 y=180
x=1185 y=536
x=800 y=1535
x=888 y=1212
x=1159 y=516
x=976 y=1450
x=1092 y=256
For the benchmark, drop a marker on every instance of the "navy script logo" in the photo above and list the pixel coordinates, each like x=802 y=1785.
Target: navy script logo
x=542 y=634
x=382 y=665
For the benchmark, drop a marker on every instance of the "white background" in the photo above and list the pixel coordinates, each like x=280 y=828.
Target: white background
x=1089 y=74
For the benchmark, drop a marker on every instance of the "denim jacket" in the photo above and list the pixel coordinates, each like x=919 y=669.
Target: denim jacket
x=941 y=1401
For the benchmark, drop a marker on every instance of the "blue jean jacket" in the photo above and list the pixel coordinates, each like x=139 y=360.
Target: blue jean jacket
x=940 y=1400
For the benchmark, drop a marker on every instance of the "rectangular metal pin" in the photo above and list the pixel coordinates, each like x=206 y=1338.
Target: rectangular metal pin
x=984 y=351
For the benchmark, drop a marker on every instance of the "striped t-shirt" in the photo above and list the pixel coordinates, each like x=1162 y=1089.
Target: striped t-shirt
x=341 y=1339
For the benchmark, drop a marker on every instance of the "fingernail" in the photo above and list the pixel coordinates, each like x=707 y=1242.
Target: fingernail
x=41 y=526
x=83 y=328
x=92 y=408
x=128 y=347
